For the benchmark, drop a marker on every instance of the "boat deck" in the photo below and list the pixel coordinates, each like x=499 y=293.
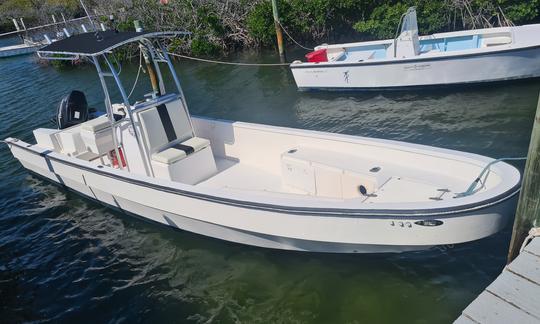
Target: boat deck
x=514 y=296
x=236 y=176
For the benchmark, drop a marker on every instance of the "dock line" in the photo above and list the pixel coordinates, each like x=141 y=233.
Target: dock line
x=292 y=39
x=228 y=63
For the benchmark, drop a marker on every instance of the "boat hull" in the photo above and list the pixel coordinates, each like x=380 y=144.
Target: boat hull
x=439 y=71
x=266 y=227
x=17 y=50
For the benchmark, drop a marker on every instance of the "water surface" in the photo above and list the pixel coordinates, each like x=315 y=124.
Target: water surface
x=64 y=258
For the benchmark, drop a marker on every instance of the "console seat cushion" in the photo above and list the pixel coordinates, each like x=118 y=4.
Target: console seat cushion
x=176 y=152
x=169 y=156
x=197 y=143
x=96 y=124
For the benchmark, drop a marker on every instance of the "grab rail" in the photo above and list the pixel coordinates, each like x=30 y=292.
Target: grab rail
x=145 y=105
x=397 y=31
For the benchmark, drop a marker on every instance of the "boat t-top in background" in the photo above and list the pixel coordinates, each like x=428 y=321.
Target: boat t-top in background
x=255 y=184
x=463 y=57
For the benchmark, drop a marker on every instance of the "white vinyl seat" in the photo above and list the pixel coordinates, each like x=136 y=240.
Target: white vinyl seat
x=97 y=135
x=175 y=153
x=169 y=156
x=197 y=143
x=172 y=154
x=97 y=124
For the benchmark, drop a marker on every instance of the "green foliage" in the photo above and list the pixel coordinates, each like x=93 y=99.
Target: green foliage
x=201 y=46
x=210 y=21
x=260 y=22
x=126 y=25
x=438 y=16
x=522 y=12
x=176 y=44
x=220 y=25
x=307 y=19
x=382 y=21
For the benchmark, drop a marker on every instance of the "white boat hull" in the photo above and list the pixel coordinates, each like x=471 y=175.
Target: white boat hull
x=264 y=225
x=434 y=71
x=16 y=50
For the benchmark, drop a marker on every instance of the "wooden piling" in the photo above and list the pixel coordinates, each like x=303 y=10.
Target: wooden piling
x=528 y=210
x=279 y=33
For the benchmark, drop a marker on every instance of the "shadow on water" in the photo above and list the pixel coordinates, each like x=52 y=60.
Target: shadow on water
x=65 y=259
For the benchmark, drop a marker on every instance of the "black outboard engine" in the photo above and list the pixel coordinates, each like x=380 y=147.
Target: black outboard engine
x=73 y=110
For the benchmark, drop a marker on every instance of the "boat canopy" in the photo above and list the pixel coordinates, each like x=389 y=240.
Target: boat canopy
x=98 y=43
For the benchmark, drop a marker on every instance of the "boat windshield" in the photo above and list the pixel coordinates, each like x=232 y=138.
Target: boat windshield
x=409 y=22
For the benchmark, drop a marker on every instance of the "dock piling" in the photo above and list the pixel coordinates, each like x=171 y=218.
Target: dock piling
x=279 y=33
x=528 y=209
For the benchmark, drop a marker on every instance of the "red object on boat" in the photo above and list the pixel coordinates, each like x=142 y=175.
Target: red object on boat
x=114 y=159
x=317 y=56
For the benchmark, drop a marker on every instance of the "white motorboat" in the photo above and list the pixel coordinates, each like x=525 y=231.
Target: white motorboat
x=19 y=49
x=259 y=185
x=454 y=58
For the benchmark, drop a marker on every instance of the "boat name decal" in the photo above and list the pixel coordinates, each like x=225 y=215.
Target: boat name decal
x=316 y=71
x=417 y=67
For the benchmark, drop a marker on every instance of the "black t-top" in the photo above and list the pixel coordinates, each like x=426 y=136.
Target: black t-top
x=93 y=43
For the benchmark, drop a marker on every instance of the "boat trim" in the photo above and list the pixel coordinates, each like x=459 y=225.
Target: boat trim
x=435 y=212
x=308 y=65
x=500 y=81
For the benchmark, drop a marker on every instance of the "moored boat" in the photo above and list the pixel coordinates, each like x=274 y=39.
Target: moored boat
x=410 y=60
x=256 y=184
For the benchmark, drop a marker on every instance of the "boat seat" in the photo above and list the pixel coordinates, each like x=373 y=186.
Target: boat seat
x=179 y=151
x=97 y=135
x=175 y=153
x=496 y=41
x=97 y=124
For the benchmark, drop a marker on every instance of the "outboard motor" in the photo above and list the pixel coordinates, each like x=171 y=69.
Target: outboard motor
x=73 y=110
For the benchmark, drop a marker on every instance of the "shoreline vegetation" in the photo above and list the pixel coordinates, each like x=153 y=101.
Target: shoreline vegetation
x=223 y=26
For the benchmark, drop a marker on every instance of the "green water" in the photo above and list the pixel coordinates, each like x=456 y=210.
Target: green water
x=66 y=259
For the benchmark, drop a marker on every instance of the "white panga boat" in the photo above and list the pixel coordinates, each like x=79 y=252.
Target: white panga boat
x=259 y=185
x=463 y=57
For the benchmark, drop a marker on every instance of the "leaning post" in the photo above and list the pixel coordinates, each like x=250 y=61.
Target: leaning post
x=528 y=209
x=279 y=34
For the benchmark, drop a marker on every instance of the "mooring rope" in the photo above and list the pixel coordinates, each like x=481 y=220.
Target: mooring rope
x=533 y=232
x=291 y=38
x=138 y=74
x=228 y=63
x=478 y=179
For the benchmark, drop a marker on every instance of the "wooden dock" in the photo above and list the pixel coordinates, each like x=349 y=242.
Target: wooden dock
x=514 y=297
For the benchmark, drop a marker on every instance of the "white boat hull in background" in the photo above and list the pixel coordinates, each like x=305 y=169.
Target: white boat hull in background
x=519 y=59
x=20 y=49
x=268 y=225
x=439 y=71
